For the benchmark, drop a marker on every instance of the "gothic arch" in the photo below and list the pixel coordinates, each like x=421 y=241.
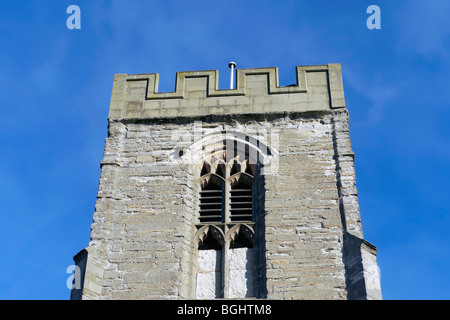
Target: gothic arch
x=230 y=210
x=241 y=235
x=209 y=232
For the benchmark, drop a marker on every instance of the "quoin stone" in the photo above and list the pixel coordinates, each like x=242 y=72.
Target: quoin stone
x=247 y=192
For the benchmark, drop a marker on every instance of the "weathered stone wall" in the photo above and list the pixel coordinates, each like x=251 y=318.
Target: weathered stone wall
x=303 y=221
x=143 y=214
x=147 y=203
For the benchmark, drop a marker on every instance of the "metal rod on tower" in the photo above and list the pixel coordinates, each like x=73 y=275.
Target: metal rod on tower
x=232 y=65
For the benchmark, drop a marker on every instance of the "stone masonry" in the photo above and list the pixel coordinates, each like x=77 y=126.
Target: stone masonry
x=308 y=239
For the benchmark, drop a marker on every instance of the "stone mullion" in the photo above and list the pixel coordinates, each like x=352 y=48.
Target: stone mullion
x=226 y=245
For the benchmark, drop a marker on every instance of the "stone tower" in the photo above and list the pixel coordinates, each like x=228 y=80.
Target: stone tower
x=244 y=192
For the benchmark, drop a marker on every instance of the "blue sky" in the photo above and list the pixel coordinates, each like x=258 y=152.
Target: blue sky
x=55 y=87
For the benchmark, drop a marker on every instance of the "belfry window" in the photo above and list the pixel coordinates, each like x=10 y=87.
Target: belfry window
x=225 y=229
x=224 y=197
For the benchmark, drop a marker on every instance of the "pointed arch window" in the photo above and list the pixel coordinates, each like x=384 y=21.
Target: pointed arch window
x=226 y=193
x=226 y=262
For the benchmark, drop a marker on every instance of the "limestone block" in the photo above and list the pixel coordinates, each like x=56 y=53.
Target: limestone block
x=209 y=274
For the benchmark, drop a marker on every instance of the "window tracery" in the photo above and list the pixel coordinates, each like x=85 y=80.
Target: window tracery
x=225 y=228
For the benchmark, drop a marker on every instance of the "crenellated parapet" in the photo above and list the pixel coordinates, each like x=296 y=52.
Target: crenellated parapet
x=317 y=88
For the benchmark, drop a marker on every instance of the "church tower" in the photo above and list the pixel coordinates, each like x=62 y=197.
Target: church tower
x=246 y=192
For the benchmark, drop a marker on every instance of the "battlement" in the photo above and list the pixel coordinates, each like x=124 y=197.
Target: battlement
x=257 y=90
